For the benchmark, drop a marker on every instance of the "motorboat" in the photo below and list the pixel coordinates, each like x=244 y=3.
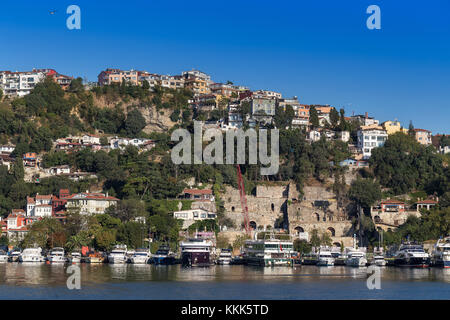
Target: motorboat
x=441 y=253
x=140 y=256
x=269 y=252
x=75 y=257
x=56 y=255
x=3 y=256
x=356 y=258
x=163 y=256
x=196 y=252
x=412 y=255
x=14 y=255
x=309 y=259
x=118 y=255
x=325 y=258
x=378 y=260
x=224 y=257
x=32 y=255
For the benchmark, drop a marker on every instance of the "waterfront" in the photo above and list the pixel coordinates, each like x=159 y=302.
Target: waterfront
x=22 y=281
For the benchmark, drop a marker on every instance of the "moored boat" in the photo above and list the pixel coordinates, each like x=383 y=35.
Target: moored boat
x=56 y=255
x=309 y=259
x=32 y=255
x=325 y=258
x=413 y=256
x=75 y=257
x=163 y=256
x=3 y=256
x=441 y=253
x=269 y=252
x=356 y=258
x=118 y=255
x=224 y=257
x=140 y=256
x=14 y=255
x=196 y=253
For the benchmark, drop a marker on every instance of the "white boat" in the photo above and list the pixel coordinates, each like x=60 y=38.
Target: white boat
x=196 y=252
x=325 y=257
x=269 y=252
x=118 y=255
x=32 y=255
x=14 y=255
x=224 y=257
x=140 y=256
x=413 y=256
x=356 y=258
x=75 y=257
x=441 y=253
x=3 y=256
x=56 y=255
x=378 y=260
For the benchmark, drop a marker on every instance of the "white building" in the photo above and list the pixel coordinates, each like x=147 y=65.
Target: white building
x=90 y=203
x=90 y=139
x=344 y=136
x=39 y=206
x=191 y=216
x=7 y=149
x=370 y=137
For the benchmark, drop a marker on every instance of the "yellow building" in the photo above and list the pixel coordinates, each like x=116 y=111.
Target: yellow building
x=392 y=127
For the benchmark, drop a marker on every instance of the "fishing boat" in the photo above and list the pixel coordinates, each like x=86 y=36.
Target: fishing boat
x=31 y=255
x=269 y=252
x=196 y=252
x=325 y=258
x=56 y=255
x=441 y=253
x=412 y=255
x=224 y=257
x=140 y=256
x=3 y=256
x=163 y=256
x=75 y=257
x=118 y=255
x=14 y=255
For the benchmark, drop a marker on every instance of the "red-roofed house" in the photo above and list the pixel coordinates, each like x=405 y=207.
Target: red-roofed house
x=90 y=203
x=17 y=225
x=425 y=204
x=198 y=194
x=392 y=206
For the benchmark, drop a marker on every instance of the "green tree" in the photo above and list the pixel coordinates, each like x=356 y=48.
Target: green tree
x=364 y=192
x=134 y=123
x=314 y=117
x=18 y=169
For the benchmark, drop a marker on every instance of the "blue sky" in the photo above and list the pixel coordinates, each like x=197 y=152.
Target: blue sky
x=320 y=51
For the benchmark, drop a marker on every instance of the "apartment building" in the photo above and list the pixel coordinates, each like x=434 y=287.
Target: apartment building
x=423 y=136
x=370 y=137
x=110 y=76
x=365 y=120
x=393 y=127
x=267 y=94
x=90 y=203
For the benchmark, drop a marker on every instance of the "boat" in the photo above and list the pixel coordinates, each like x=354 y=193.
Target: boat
x=412 y=255
x=269 y=252
x=140 y=256
x=163 y=256
x=378 y=260
x=95 y=257
x=118 y=255
x=196 y=252
x=56 y=255
x=14 y=255
x=3 y=256
x=224 y=257
x=325 y=258
x=356 y=258
x=237 y=260
x=309 y=259
x=441 y=253
x=75 y=257
x=32 y=255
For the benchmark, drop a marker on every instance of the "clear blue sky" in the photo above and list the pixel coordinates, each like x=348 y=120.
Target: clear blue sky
x=320 y=51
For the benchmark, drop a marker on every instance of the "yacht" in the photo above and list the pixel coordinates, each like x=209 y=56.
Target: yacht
x=356 y=258
x=163 y=256
x=32 y=255
x=75 y=257
x=196 y=252
x=309 y=259
x=224 y=256
x=118 y=255
x=95 y=257
x=140 y=256
x=56 y=255
x=441 y=253
x=325 y=258
x=269 y=252
x=412 y=255
x=378 y=260
x=14 y=255
x=3 y=256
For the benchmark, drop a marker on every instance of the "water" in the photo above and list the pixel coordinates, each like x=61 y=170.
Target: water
x=41 y=281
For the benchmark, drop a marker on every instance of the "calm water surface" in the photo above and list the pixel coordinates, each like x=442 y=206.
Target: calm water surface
x=41 y=281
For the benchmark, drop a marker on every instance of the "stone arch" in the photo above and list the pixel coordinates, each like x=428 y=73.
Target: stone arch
x=377 y=219
x=317 y=216
x=332 y=231
x=252 y=225
x=272 y=206
x=299 y=229
x=337 y=244
x=232 y=209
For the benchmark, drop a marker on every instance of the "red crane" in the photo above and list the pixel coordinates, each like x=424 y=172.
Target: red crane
x=243 y=199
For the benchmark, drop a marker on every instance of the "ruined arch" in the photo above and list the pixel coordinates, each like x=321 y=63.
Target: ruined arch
x=272 y=206
x=317 y=216
x=337 y=244
x=332 y=231
x=299 y=229
x=377 y=219
x=252 y=225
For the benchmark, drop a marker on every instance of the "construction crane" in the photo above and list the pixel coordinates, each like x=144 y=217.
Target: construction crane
x=243 y=200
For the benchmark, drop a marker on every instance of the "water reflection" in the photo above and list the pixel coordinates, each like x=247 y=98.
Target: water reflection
x=19 y=274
